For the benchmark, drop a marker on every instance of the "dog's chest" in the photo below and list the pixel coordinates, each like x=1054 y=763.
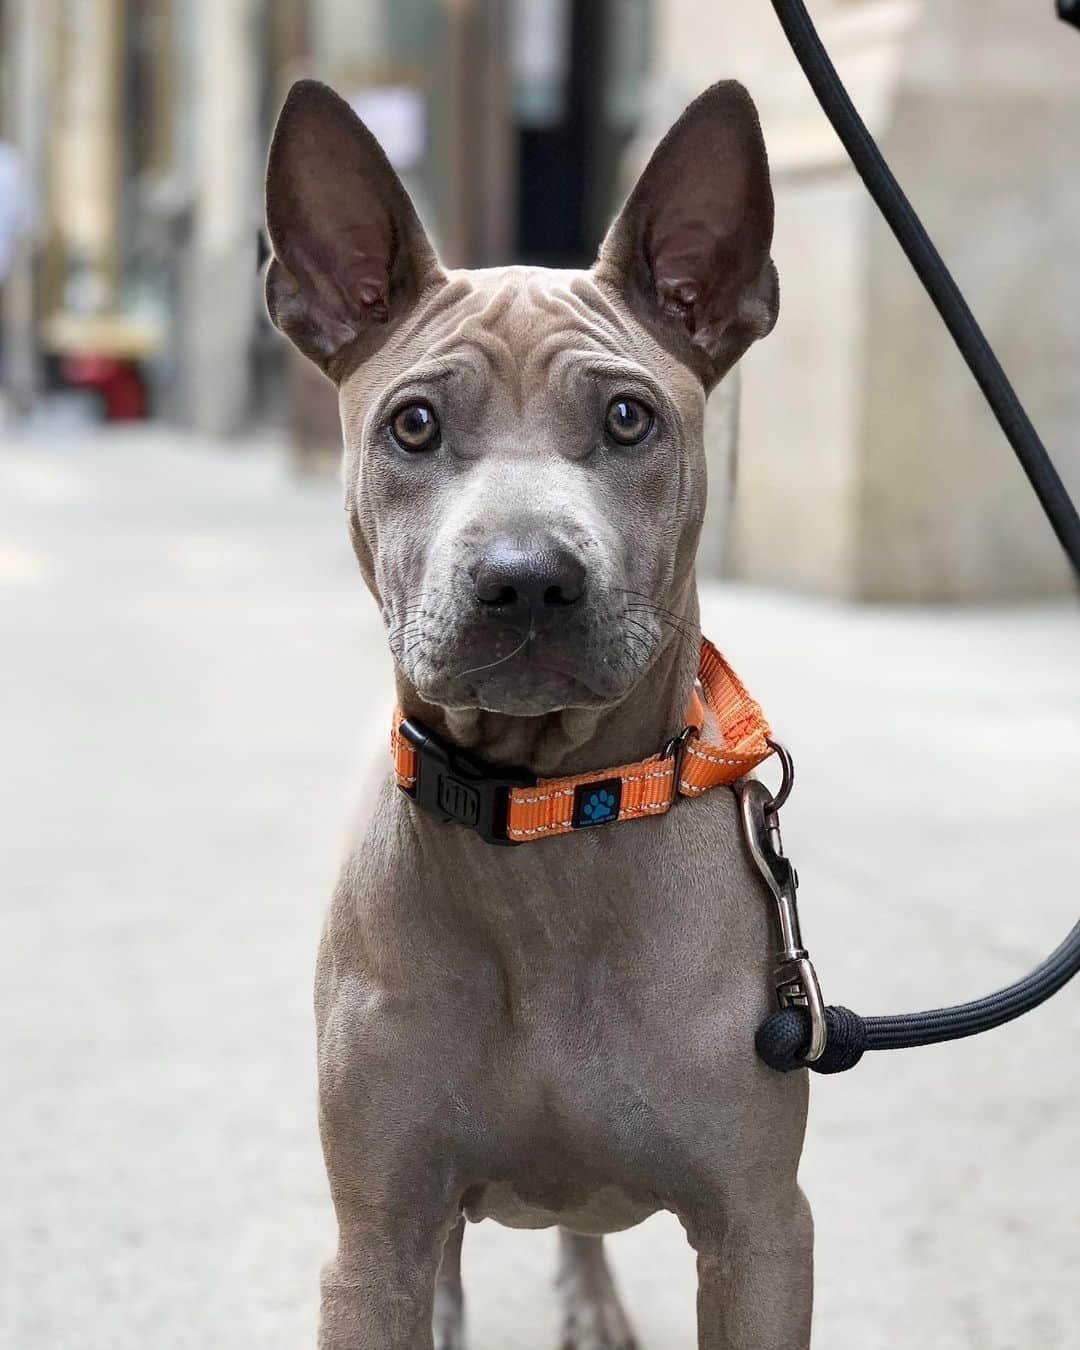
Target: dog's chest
x=595 y=1111
x=564 y=1125
x=579 y=1028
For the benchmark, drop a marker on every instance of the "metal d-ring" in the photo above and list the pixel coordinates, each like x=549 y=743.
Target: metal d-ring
x=676 y=751
x=787 y=780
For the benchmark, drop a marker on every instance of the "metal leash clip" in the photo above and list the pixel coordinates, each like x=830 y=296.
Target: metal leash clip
x=794 y=978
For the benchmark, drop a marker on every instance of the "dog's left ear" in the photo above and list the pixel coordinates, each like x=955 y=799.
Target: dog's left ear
x=350 y=254
x=689 y=251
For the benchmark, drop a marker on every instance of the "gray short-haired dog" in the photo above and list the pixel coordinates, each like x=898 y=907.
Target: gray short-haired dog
x=559 y=1033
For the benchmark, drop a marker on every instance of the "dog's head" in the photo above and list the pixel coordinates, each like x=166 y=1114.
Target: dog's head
x=525 y=474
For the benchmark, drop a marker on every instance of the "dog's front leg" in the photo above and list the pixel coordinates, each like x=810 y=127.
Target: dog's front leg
x=378 y=1289
x=755 y=1279
x=397 y=1198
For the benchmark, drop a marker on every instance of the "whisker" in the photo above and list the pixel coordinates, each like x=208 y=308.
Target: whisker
x=490 y=665
x=661 y=611
x=397 y=638
x=658 y=609
x=691 y=639
x=691 y=632
x=642 y=644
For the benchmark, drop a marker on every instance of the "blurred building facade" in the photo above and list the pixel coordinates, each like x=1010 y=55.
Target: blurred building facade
x=143 y=126
x=867 y=466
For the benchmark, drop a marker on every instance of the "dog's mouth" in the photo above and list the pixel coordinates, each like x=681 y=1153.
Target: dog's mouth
x=523 y=670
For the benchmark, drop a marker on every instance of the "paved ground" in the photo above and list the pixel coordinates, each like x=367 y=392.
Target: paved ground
x=190 y=667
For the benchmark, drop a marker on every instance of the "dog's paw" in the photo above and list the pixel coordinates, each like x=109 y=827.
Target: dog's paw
x=596 y=1324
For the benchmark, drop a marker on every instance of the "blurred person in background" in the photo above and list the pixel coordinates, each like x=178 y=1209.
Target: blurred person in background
x=14 y=204
x=15 y=219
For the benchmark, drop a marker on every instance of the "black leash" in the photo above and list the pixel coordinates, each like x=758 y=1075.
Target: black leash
x=788 y=1038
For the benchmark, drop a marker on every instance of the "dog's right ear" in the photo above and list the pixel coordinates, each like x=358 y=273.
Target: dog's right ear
x=350 y=256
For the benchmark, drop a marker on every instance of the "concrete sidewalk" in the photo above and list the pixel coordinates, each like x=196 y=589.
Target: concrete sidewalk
x=191 y=672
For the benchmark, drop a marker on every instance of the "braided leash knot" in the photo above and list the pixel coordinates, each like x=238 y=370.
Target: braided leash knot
x=783 y=1039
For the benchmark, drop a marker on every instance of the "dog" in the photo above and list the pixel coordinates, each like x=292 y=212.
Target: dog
x=558 y=1033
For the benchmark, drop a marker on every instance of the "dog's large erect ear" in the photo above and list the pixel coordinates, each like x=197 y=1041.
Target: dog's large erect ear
x=690 y=250
x=350 y=255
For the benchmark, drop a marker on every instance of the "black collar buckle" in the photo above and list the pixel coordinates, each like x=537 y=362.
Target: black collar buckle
x=453 y=785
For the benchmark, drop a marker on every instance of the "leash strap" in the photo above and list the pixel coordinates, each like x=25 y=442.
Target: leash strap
x=687 y=766
x=803 y=1032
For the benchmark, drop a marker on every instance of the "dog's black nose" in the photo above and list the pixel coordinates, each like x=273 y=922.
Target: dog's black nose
x=519 y=578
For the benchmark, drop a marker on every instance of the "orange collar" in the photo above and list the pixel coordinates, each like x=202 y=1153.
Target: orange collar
x=513 y=806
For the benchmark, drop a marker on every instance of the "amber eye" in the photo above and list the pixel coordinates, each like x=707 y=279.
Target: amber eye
x=628 y=422
x=415 y=427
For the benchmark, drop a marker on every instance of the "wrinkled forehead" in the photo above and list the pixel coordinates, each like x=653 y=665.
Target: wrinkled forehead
x=531 y=331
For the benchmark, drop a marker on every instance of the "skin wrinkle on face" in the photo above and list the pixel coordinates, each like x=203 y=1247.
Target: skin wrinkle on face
x=519 y=372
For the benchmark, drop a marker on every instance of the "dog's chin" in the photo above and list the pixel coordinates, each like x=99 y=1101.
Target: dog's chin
x=529 y=685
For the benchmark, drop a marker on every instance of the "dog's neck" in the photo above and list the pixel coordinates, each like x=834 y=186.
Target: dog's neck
x=577 y=740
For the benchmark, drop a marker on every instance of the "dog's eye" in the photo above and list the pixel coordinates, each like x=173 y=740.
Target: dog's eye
x=628 y=422
x=415 y=427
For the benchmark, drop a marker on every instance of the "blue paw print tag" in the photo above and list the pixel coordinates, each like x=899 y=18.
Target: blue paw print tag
x=597 y=803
